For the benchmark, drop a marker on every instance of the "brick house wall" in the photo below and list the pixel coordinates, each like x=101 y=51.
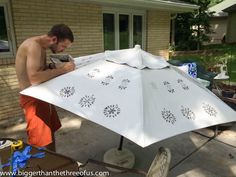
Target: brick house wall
x=9 y=93
x=158 y=32
x=31 y=17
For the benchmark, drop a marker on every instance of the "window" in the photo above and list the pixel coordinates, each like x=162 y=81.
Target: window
x=7 y=46
x=123 y=29
x=109 y=31
x=137 y=32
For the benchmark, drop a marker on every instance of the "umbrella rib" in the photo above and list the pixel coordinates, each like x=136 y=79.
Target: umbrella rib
x=197 y=149
x=142 y=107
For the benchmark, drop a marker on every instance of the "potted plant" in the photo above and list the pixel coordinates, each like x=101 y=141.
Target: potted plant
x=227 y=92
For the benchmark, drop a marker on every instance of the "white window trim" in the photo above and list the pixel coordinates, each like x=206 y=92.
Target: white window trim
x=131 y=13
x=10 y=32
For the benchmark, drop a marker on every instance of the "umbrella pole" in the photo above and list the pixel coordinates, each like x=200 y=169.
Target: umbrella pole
x=121 y=143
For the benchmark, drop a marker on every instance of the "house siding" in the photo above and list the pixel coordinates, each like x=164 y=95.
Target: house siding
x=218 y=26
x=231 y=33
x=158 y=32
x=31 y=17
x=9 y=93
x=36 y=17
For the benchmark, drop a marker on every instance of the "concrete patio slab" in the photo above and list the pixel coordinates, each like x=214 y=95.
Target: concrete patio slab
x=215 y=159
x=194 y=154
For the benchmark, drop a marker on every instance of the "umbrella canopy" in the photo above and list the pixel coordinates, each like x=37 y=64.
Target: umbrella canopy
x=135 y=94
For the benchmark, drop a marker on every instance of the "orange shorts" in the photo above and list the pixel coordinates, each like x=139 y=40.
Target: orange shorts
x=42 y=120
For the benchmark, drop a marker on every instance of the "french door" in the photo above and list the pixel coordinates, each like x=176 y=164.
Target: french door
x=123 y=30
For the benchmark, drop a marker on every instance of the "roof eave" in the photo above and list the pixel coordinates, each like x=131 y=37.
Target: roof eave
x=151 y=4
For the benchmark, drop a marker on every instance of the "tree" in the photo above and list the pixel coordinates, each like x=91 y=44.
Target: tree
x=192 y=28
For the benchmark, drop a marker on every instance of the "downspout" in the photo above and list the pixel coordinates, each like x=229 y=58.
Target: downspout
x=172 y=40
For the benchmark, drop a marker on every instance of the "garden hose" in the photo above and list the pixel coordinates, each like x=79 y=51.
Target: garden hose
x=17 y=145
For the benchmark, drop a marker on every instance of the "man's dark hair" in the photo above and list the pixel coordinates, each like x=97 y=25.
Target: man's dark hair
x=62 y=32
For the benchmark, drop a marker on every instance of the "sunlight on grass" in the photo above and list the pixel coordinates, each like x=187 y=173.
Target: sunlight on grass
x=213 y=55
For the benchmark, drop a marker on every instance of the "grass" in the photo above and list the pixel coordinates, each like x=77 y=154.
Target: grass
x=213 y=55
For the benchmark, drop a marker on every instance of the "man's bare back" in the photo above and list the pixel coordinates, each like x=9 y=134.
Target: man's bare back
x=31 y=67
x=23 y=59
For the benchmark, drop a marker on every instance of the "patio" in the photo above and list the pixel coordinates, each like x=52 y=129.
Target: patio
x=195 y=154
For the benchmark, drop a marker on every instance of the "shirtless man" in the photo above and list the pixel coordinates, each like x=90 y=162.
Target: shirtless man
x=31 y=68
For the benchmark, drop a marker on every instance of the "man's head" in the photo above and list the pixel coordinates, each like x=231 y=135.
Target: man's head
x=61 y=38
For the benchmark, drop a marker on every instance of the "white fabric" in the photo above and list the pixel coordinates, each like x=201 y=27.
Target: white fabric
x=221 y=76
x=145 y=106
x=136 y=58
x=183 y=68
x=204 y=82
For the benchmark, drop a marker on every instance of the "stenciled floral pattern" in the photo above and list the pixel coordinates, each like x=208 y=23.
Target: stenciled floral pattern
x=67 y=92
x=107 y=80
x=169 y=87
x=168 y=116
x=209 y=109
x=111 y=111
x=93 y=73
x=124 y=84
x=188 y=113
x=183 y=85
x=87 y=101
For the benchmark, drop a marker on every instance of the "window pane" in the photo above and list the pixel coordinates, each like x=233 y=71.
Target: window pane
x=4 y=45
x=109 y=31
x=124 y=31
x=137 y=33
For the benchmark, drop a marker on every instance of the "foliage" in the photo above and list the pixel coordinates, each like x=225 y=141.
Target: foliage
x=214 y=2
x=219 y=54
x=183 y=33
x=192 y=28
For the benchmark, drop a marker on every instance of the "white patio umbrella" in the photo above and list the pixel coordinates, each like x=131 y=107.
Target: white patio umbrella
x=135 y=94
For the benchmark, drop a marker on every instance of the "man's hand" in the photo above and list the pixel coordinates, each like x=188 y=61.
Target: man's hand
x=66 y=66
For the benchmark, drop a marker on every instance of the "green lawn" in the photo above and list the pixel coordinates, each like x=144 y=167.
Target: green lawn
x=216 y=54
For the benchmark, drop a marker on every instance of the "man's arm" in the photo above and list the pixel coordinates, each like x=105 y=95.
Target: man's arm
x=36 y=65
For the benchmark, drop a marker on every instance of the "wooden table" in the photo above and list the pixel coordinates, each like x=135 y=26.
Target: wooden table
x=51 y=162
